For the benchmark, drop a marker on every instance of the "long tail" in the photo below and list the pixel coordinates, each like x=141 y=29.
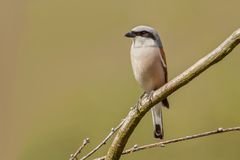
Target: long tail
x=158 y=119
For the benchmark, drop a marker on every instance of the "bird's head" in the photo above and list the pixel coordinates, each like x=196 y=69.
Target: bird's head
x=144 y=36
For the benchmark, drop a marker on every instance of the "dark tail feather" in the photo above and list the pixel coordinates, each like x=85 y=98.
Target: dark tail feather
x=165 y=103
x=157 y=120
x=158 y=133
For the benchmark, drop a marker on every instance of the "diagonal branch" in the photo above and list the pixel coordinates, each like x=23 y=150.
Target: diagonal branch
x=135 y=148
x=135 y=115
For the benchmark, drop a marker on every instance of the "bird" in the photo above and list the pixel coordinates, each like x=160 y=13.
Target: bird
x=149 y=68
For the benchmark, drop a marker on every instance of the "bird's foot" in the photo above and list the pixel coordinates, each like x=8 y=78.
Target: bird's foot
x=149 y=95
x=137 y=105
x=139 y=102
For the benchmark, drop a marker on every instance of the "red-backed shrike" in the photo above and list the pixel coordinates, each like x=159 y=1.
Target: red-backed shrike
x=149 y=68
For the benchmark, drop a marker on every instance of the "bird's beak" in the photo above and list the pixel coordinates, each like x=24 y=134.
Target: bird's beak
x=130 y=34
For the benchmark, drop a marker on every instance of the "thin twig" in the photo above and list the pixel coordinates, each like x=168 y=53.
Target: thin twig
x=135 y=148
x=113 y=130
x=74 y=156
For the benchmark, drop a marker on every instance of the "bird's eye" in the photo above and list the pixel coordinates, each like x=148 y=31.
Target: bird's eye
x=144 y=32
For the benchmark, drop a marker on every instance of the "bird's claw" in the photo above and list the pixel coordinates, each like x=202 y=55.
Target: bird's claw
x=149 y=95
x=139 y=102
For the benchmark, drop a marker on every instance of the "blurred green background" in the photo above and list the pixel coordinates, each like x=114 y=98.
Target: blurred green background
x=66 y=75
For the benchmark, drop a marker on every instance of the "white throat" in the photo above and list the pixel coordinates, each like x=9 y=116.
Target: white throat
x=143 y=42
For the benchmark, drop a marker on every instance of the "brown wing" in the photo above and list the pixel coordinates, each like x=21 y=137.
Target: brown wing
x=164 y=62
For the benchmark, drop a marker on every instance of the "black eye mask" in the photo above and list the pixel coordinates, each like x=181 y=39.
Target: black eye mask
x=145 y=34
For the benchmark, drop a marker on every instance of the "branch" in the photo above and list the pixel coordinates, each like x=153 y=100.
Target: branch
x=135 y=148
x=86 y=141
x=113 y=130
x=136 y=114
x=74 y=156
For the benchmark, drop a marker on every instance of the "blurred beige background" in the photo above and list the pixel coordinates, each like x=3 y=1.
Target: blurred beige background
x=66 y=75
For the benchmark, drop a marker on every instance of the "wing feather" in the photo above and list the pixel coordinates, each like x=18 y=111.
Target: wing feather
x=164 y=63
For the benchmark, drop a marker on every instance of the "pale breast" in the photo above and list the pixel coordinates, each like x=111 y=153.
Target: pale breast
x=147 y=67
